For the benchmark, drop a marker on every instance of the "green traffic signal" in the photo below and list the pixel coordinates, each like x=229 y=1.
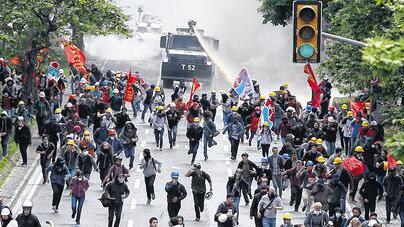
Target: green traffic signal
x=306 y=50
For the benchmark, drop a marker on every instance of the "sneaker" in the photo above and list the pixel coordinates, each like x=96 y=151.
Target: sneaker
x=206 y=159
x=148 y=202
x=153 y=196
x=53 y=208
x=304 y=208
x=171 y=146
x=77 y=222
x=296 y=210
x=197 y=219
x=73 y=214
x=246 y=204
x=291 y=203
x=56 y=211
x=160 y=149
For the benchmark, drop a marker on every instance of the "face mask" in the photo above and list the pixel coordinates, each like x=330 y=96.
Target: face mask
x=316 y=212
x=79 y=178
x=337 y=215
x=112 y=137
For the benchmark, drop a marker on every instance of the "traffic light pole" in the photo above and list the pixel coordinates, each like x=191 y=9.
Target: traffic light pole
x=343 y=39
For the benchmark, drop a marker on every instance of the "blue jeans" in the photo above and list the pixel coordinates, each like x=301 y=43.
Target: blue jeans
x=159 y=137
x=4 y=144
x=193 y=148
x=330 y=147
x=401 y=213
x=277 y=121
x=145 y=108
x=76 y=209
x=268 y=222
x=172 y=135
x=226 y=118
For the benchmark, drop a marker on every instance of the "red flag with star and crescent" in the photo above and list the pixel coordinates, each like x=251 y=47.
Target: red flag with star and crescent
x=315 y=88
x=195 y=86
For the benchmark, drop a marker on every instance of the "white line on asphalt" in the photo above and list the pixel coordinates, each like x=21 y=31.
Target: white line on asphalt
x=175 y=167
x=146 y=131
x=229 y=172
x=140 y=156
x=130 y=223
x=143 y=145
x=29 y=190
x=137 y=184
x=133 y=204
x=227 y=162
x=226 y=148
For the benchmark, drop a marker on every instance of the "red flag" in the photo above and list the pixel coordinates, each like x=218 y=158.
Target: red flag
x=356 y=107
x=75 y=56
x=129 y=87
x=354 y=166
x=315 y=88
x=391 y=161
x=195 y=86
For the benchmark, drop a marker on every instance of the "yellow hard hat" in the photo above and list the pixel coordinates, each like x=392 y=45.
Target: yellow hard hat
x=86 y=132
x=287 y=216
x=349 y=114
x=58 y=110
x=266 y=123
x=344 y=106
x=319 y=141
x=320 y=159
x=313 y=139
x=21 y=103
x=262 y=97
x=70 y=142
x=365 y=123
x=272 y=94
x=359 y=149
x=159 y=108
x=337 y=160
x=196 y=119
x=285 y=85
x=157 y=89
x=234 y=108
x=109 y=110
x=88 y=88
x=399 y=162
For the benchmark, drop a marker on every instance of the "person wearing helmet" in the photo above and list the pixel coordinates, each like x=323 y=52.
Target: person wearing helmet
x=226 y=212
x=21 y=110
x=287 y=220
x=356 y=179
x=42 y=110
x=116 y=100
x=213 y=104
x=109 y=119
x=209 y=132
x=158 y=98
x=291 y=115
x=58 y=171
x=117 y=190
x=194 y=134
x=330 y=130
x=198 y=187
x=268 y=207
x=366 y=135
x=235 y=130
x=159 y=122
x=264 y=171
x=22 y=137
x=6 y=216
x=175 y=194
x=26 y=218
x=78 y=187
x=70 y=153
x=173 y=118
x=267 y=136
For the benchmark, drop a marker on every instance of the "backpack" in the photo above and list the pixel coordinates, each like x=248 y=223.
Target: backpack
x=105 y=200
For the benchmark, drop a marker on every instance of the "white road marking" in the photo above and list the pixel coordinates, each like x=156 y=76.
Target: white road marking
x=133 y=204
x=131 y=223
x=146 y=131
x=227 y=162
x=143 y=145
x=137 y=184
x=140 y=156
x=29 y=190
x=226 y=148
x=175 y=167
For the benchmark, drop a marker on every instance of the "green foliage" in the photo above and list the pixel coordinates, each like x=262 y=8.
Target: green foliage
x=385 y=54
x=276 y=12
x=45 y=21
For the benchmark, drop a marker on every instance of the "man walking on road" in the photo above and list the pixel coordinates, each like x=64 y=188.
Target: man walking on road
x=150 y=168
x=194 y=134
x=173 y=118
x=175 y=193
x=27 y=219
x=268 y=207
x=392 y=184
x=199 y=188
x=116 y=190
x=254 y=205
x=78 y=187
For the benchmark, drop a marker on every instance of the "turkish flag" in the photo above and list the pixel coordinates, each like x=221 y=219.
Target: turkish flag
x=391 y=161
x=195 y=86
x=129 y=87
x=354 y=166
x=75 y=56
x=315 y=88
x=357 y=107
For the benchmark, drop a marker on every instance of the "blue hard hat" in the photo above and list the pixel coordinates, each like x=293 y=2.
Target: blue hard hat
x=175 y=174
x=308 y=108
x=309 y=163
x=264 y=160
x=286 y=156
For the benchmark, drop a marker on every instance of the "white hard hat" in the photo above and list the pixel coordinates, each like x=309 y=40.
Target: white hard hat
x=222 y=218
x=290 y=109
x=372 y=223
x=330 y=119
x=172 y=104
x=5 y=211
x=61 y=71
x=41 y=94
x=13 y=223
x=27 y=203
x=374 y=123
x=69 y=104
x=116 y=91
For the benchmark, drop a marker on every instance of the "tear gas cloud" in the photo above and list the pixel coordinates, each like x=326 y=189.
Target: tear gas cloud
x=265 y=50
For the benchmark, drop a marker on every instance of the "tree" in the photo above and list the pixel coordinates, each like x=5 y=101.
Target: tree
x=28 y=26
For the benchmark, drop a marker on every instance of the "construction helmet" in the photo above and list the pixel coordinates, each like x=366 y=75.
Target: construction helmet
x=344 y=106
x=58 y=111
x=359 y=149
x=337 y=160
x=287 y=216
x=234 y=108
x=70 y=142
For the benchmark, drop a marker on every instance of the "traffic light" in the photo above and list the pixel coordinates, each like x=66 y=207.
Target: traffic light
x=306 y=31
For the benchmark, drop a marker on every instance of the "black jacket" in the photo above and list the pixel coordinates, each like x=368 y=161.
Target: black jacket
x=115 y=190
x=22 y=135
x=194 y=133
x=84 y=110
x=121 y=119
x=370 y=189
x=6 y=125
x=177 y=190
x=105 y=160
x=173 y=117
x=392 y=185
x=27 y=221
x=254 y=204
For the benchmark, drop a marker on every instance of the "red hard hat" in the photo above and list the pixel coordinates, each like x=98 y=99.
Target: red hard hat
x=76 y=129
x=72 y=96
